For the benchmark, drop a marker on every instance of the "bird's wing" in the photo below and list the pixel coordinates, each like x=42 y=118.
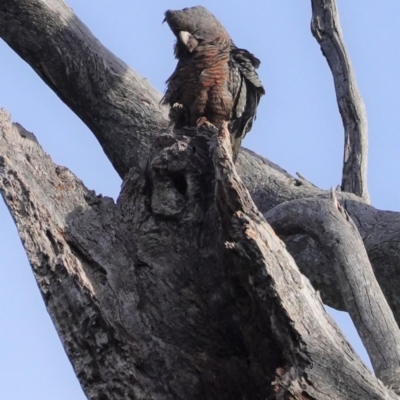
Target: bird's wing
x=246 y=88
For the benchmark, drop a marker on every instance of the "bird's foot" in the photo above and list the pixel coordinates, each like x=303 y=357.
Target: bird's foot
x=179 y=115
x=224 y=131
x=204 y=121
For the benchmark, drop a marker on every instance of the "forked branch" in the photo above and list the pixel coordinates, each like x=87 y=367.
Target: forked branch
x=325 y=27
x=156 y=274
x=248 y=236
x=184 y=282
x=123 y=112
x=329 y=224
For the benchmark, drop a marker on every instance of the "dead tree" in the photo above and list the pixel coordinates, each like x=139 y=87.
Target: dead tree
x=181 y=289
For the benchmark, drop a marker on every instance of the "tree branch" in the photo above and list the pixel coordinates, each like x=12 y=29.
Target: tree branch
x=269 y=186
x=329 y=224
x=147 y=298
x=40 y=196
x=325 y=27
x=120 y=107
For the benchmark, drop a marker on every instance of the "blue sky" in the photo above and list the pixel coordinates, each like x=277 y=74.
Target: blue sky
x=298 y=127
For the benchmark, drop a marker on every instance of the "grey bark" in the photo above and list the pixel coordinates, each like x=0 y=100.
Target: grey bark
x=269 y=186
x=145 y=297
x=189 y=297
x=330 y=225
x=119 y=106
x=125 y=129
x=325 y=27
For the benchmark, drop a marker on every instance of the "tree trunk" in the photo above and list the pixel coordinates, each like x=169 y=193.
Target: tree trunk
x=181 y=289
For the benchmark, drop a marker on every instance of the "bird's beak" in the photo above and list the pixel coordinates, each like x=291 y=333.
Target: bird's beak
x=184 y=37
x=188 y=40
x=166 y=15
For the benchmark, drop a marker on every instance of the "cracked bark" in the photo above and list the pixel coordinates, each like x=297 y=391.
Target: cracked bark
x=125 y=125
x=330 y=225
x=179 y=290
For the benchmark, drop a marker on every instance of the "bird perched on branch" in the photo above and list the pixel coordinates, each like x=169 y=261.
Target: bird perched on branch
x=214 y=82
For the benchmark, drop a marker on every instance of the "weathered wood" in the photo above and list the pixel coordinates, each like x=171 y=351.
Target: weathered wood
x=325 y=27
x=148 y=300
x=181 y=289
x=270 y=185
x=126 y=136
x=119 y=106
x=330 y=225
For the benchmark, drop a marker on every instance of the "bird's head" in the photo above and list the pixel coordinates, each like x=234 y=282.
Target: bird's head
x=193 y=27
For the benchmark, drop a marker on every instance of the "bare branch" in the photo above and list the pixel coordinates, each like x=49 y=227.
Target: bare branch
x=40 y=196
x=113 y=121
x=254 y=247
x=328 y=223
x=325 y=27
x=157 y=305
x=270 y=185
x=120 y=107
x=120 y=114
